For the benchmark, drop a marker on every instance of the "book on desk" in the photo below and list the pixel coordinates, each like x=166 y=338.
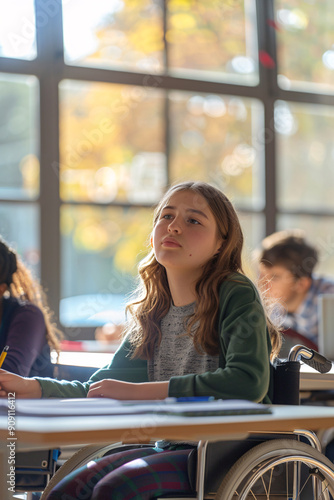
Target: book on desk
x=106 y=406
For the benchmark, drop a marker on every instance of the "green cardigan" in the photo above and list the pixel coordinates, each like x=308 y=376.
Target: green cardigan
x=244 y=366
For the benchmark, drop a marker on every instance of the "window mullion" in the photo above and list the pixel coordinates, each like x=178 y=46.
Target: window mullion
x=268 y=87
x=49 y=41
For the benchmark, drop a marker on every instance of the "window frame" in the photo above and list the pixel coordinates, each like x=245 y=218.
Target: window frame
x=50 y=69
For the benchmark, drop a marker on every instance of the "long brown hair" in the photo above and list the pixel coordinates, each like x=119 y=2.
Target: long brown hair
x=153 y=294
x=24 y=287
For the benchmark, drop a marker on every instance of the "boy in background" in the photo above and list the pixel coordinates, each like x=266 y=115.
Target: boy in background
x=286 y=271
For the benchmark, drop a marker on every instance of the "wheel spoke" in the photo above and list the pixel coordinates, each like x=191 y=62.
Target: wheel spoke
x=264 y=486
x=304 y=485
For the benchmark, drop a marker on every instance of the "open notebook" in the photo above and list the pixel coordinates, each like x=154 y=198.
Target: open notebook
x=104 y=406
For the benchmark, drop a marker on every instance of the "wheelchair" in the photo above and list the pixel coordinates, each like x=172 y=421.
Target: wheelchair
x=265 y=466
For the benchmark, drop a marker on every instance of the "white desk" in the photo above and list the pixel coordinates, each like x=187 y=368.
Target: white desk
x=311 y=380
x=91 y=359
x=43 y=433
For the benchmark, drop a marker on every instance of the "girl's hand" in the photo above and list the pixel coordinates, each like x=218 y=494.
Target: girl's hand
x=116 y=389
x=22 y=387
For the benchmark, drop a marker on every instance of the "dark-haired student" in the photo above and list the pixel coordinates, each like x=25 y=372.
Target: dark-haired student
x=25 y=320
x=286 y=263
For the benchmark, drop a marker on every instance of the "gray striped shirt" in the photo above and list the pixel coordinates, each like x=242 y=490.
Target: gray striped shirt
x=176 y=355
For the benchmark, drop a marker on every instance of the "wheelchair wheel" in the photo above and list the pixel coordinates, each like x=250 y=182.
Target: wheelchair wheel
x=279 y=469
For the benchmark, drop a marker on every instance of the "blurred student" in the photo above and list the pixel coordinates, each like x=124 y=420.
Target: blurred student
x=286 y=272
x=25 y=320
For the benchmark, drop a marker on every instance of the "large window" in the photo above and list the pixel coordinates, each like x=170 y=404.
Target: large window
x=104 y=104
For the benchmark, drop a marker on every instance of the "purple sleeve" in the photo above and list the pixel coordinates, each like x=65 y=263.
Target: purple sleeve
x=26 y=338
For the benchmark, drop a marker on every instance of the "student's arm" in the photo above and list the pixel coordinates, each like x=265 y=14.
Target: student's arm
x=26 y=337
x=21 y=387
x=25 y=387
x=244 y=368
x=118 y=389
x=122 y=368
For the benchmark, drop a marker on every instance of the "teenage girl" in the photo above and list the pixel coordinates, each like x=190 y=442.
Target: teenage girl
x=25 y=324
x=197 y=328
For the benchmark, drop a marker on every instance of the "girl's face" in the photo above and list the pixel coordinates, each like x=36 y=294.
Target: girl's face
x=185 y=236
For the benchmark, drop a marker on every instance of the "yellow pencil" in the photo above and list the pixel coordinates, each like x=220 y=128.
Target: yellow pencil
x=3 y=354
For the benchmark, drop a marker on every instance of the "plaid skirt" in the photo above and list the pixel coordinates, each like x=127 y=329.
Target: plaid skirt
x=135 y=474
